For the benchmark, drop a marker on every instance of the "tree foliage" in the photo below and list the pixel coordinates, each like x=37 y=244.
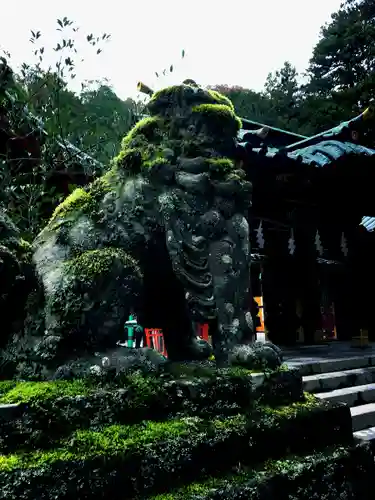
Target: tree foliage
x=340 y=83
x=340 y=78
x=46 y=120
x=284 y=94
x=343 y=61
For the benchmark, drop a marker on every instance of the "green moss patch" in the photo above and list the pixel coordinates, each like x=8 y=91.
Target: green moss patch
x=58 y=408
x=167 y=99
x=344 y=470
x=291 y=409
x=220 y=99
x=151 y=455
x=100 y=262
x=148 y=128
x=220 y=167
x=103 y=185
x=25 y=392
x=6 y=386
x=29 y=392
x=218 y=117
x=78 y=201
x=188 y=370
x=129 y=161
x=112 y=440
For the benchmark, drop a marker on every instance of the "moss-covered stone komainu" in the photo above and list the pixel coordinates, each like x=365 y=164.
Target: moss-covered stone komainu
x=164 y=232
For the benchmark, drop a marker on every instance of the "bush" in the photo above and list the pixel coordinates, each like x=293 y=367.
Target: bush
x=123 y=461
x=52 y=410
x=339 y=472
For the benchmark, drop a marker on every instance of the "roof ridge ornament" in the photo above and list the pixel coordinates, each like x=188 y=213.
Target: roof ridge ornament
x=318 y=243
x=291 y=243
x=344 y=245
x=260 y=237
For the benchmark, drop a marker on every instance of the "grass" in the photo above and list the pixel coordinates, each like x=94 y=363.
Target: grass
x=26 y=392
x=112 y=440
x=292 y=465
x=291 y=409
x=115 y=439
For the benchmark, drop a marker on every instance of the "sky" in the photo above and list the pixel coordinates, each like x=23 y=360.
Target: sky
x=234 y=43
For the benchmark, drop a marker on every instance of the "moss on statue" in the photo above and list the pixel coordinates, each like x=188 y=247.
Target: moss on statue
x=165 y=100
x=104 y=184
x=149 y=128
x=220 y=99
x=219 y=118
x=79 y=201
x=220 y=167
x=95 y=263
x=129 y=161
x=158 y=162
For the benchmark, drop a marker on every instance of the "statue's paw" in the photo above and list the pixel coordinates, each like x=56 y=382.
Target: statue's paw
x=256 y=356
x=198 y=350
x=47 y=348
x=113 y=365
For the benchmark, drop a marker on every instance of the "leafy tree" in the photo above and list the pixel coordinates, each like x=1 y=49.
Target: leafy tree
x=36 y=111
x=283 y=91
x=342 y=67
x=105 y=121
x=248 y=103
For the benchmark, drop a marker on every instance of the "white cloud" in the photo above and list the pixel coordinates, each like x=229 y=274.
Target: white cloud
x=239 y=42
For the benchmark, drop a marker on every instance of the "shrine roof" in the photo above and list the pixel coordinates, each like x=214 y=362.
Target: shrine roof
x=329 y=151
x=341 y=132
x=258 y=133
x=368 y=223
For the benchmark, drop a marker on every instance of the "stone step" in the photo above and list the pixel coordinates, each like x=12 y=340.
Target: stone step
x=324 y=382
x=352 y=396
x=314 y=365
x=363 y=417
x=367 y=437
x=9 y=411
x=365 y=434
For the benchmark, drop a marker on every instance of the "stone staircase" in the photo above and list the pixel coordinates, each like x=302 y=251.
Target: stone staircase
x=349 y=380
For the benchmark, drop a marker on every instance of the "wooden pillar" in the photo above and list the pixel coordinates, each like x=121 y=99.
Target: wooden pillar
x=307 y=277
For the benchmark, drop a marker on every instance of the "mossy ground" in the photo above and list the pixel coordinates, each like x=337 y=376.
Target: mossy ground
x=25 y=392
x=114 y=439
x=292 y=466
x=157 y=447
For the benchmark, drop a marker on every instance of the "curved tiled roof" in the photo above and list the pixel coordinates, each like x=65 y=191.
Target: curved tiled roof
x=340 y=132
x=368 y=223
x=326 y=152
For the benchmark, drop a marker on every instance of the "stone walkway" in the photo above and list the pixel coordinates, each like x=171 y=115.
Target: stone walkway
x=333 y=350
